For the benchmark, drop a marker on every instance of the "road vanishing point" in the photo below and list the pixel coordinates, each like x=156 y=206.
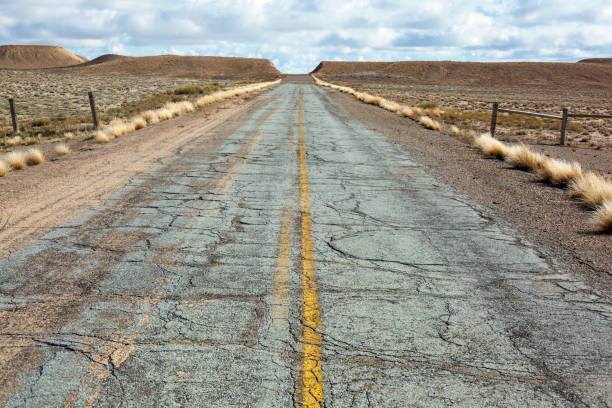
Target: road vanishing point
x=304 y=261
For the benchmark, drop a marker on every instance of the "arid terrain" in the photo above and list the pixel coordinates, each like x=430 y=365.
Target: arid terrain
x=175 y=66
x=55 y=98
x=52 y=101
x=36 y=56
x=466 y=91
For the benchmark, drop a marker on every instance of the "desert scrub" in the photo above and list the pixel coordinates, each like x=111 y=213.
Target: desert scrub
x=427 y=105
x=51 y=104
x=62 y=149
x=514 y=121
x=158 y=100
x=198 y=89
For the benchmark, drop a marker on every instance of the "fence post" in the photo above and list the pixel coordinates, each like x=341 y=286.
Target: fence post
x=92 y=104
x=563 y=126
x=494 y=118
x=13 y=115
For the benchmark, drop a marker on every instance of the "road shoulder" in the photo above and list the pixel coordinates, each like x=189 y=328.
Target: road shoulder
x=42 y=197
x=546 y=215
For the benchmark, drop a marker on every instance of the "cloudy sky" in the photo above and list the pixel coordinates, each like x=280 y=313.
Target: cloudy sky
x=297 y=34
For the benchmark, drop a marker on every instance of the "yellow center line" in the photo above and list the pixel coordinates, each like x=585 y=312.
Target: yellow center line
x=312 y=377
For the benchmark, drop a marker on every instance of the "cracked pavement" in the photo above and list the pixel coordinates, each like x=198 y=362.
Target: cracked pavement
x=185 y=289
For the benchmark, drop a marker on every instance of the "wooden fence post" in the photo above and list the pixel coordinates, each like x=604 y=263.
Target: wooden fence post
x=92 y=104
x=494 y=118
x=13 y=115
x=563 y=126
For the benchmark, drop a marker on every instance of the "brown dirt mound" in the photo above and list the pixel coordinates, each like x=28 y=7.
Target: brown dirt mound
x=597 y=60
x=476 y=74
x=103 y=58
x=36 y=56
x=178 y=67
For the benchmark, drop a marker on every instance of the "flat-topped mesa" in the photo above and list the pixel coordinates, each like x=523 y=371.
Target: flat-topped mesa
x=179 y=66
x=36 y=57
x=542 y=75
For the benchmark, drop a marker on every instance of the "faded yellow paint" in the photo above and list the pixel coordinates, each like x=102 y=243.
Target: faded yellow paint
x=312 y=377
x=280 y=307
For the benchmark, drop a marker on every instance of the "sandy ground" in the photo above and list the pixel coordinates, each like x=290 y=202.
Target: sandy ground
x=546 y=215
x=41 y=94
x=40 y=197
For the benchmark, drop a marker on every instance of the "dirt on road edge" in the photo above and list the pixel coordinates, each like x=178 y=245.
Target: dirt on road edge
x=546 y=215
x=35 y=200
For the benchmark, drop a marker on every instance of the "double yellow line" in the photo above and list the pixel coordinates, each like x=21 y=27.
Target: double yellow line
x=312 y=378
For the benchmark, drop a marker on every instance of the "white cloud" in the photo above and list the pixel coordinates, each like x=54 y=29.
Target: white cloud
x=298 y=34
x=117 y=49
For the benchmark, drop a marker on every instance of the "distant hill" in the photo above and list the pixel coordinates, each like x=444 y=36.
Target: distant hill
x=477 y=74
x=37 y=56
x=597 y=60
x=103 y=58
x=177 y=66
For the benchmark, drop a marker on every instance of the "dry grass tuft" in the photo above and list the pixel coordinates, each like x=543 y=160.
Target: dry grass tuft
x=406 y=111
x=3 y=169
x=164 y=114
x=150 y=116
x=602 y=219
x=418 y=112
x=591 y=189
x=390 y=105
x=16 y=160
x=469 y=135
x=14 y=141
x=34 y=157
x=139 y=122
x=455 y=130
x=69 y=135
x=62 y=149
x=559 y=172
x=186 y=106
x=432 y=112
x=521 y=157
x=429 y=123
x=101 y=137
x=173 y=108
x=490 y=146
x=118 y=128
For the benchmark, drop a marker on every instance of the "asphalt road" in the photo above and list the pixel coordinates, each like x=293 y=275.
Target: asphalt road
x=307 y=262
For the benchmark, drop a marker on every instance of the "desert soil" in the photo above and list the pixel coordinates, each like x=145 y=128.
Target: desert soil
x=42 y=94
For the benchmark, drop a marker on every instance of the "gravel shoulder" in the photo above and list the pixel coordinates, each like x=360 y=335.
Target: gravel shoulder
x=546 y=215
x=36 y=199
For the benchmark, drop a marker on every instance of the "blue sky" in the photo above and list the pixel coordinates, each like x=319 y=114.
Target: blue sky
x=296 y=35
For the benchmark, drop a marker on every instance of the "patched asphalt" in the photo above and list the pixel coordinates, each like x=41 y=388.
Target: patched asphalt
x=186 y=288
